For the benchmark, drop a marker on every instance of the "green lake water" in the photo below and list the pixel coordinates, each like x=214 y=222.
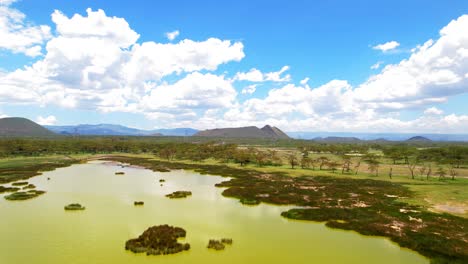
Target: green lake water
x=39 y=231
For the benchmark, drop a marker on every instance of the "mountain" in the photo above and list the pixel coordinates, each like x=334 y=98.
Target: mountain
x=338 y=139
x=244 y=132
x=418 y=139
x=22 y=127
x=118 y=130
x=101 y=130
x=274 y=132
x=378 y=136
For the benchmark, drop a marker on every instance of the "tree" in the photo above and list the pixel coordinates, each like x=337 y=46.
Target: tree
x=260 y=158
x=371 y=160
x=333 y=165
x=441 y=172
x=390 y=173
x=346 y=164
x=292 y=159
x=411 y=164
x=242 y=156
x=305 y=162
x=374 y=167
x=452 y=171
x=429 y=171
x=356 y=167
x=322 y=161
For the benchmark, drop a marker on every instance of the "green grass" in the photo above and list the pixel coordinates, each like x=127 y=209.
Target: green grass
x=367 y=205
x=22 y=168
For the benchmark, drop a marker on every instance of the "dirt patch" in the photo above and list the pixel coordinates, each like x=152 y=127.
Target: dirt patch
x=451 y=208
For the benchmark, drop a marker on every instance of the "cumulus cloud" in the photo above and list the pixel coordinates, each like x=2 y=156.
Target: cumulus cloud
x=96 y=62
x=18 y=36
x=377 y=65
x=249 y=89
x=391 y=45
x=46 y=121
x=172 y=35
x=305 y=81
x=433 y=111
x=255 y=75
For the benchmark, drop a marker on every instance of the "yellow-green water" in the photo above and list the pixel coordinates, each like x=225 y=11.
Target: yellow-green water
x=40 y=231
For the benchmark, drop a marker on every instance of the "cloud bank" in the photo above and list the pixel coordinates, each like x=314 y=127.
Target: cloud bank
x=96 y=62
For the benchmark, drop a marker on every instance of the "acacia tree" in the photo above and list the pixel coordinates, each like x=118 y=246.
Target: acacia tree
x=305 y=162
x=411 y=165
x=346 y=164
x=333 y=165
x=292 y=159
x=452 y=171
x=356 y=167
x=429 y=171
x=372 y=161
x=441 y=172
x=322 y=161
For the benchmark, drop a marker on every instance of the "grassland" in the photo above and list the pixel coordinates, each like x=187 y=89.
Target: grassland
x=360 y=202
x=403 y=209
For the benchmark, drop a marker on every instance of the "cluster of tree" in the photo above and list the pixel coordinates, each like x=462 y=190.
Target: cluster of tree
x=442 y=160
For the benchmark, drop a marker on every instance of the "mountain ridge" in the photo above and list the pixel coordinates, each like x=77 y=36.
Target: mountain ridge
x=244 y=132
x=22 y=127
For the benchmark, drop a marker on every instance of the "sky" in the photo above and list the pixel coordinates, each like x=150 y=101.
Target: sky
x=335 y=65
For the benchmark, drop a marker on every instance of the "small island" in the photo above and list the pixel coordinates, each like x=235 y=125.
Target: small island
x=158 y=240
x=219 y=244
x=138 y=203
x=19 y=183
x=247 y=201
x=19 y=196
x=29 y=186
x=8 y=189
x=120 y=173
x=179 y=194
x=74 y=207
x=162 y=180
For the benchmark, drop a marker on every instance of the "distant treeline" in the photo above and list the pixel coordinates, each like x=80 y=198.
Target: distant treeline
x=198 y=149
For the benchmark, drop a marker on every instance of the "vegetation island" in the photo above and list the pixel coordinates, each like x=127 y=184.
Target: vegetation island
x=24 y=195
x=179 y=194
x=158 y=240
x=219 y=244
x=138 y=203
x=74 y=207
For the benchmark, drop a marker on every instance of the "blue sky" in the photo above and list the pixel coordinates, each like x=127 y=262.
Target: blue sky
x=325 y=48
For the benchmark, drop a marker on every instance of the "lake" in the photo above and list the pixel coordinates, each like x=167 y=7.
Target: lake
x=40 y=231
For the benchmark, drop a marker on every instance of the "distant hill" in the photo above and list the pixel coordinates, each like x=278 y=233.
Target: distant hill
x=338 y=139
x=118 y=130
x=418 y=139
x=378 y=136
x=244 y=132
x=22 y=127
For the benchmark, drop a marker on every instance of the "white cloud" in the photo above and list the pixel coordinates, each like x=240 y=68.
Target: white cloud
x=18 y=36
x=376 y=65
x=95 y=62
x=172 y=35
x=387 y=46
x=46 y=121
x=433 y=111
x=305 y=81
x=195 y=92
x=255 y=75
x=249 y=89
